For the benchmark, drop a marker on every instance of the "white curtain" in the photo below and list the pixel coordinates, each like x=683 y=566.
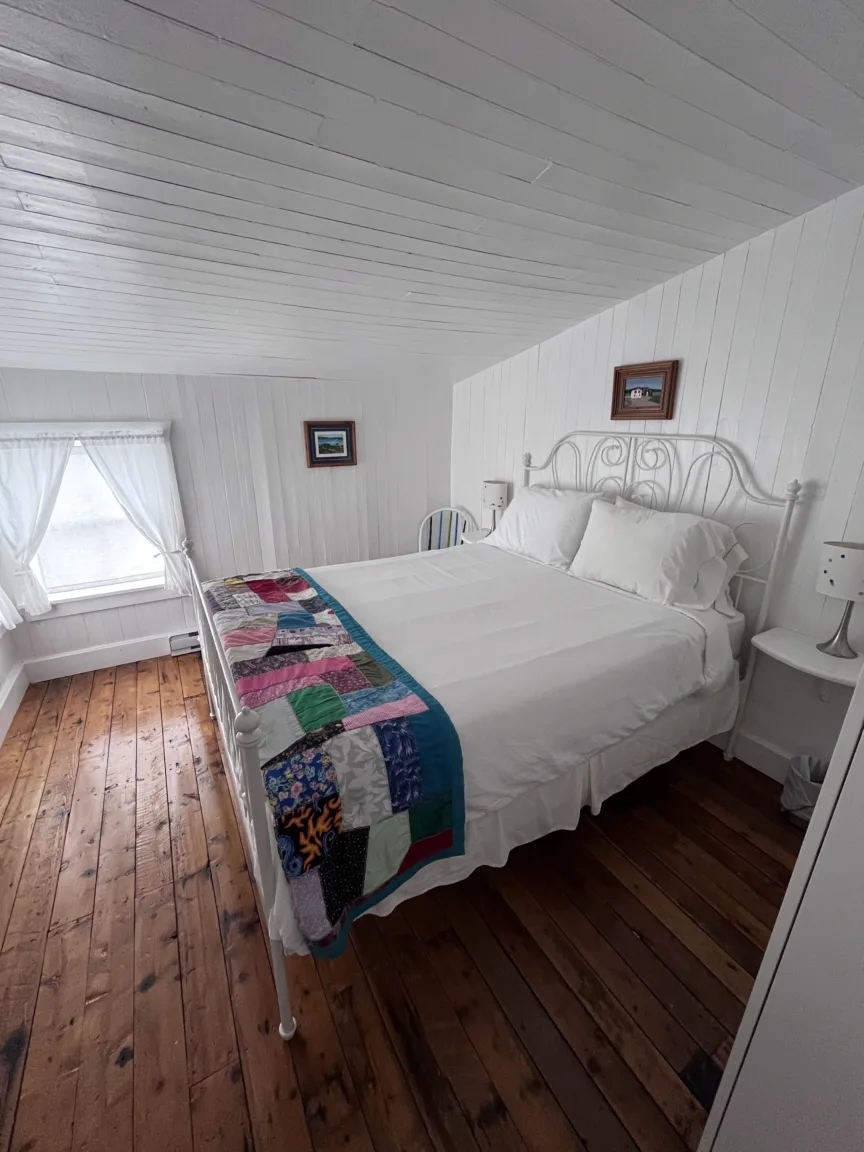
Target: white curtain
x=139 y=470
x=31 y=469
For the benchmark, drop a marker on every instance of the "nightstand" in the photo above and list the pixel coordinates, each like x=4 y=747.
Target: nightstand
x=475 y=537
x=800 y=652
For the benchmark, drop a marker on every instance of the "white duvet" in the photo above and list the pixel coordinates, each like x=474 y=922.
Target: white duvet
x=538 y=670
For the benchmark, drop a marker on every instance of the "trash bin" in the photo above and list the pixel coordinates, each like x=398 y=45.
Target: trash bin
x=804 y=779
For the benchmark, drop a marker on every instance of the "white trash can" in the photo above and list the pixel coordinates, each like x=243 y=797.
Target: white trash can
x=804 y=779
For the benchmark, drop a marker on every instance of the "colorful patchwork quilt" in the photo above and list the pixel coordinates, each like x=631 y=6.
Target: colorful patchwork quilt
x=362 y=767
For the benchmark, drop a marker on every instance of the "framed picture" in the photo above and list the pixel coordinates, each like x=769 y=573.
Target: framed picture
x=329 y=443
x=645 y=391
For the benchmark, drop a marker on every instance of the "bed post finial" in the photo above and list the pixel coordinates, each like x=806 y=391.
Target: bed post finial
x=247 y=727
x=526 y=468
x=793 y=491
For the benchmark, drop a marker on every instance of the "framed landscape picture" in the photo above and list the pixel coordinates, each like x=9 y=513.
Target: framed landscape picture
x=645 y=391
x=329 y=443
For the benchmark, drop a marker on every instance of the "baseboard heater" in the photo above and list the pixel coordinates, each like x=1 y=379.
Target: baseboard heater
x=183 y=643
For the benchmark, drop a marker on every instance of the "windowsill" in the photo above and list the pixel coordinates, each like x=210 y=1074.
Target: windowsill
x=78 y=601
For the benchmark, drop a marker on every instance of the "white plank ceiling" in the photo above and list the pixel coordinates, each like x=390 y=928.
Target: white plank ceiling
x=410 y=189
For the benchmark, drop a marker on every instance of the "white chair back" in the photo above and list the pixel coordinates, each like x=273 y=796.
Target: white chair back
x=443 y=528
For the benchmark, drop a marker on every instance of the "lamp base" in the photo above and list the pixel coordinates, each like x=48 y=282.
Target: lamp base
x=839 y=644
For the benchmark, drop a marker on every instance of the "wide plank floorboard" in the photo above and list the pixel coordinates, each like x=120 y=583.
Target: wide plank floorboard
x=583 y=997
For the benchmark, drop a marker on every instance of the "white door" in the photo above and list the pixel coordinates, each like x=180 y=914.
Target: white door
x=801 y=1083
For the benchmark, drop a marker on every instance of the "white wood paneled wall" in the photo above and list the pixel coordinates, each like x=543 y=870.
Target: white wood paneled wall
x=770 y=338
x=8 y=656
x=13 y=681
x=249 y=500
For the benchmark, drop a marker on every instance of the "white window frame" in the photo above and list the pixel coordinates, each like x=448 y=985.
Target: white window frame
x=102 y=597
x=97 y=590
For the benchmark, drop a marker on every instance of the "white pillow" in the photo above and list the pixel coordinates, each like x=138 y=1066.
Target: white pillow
x=660 y=556
x=545 y=524
x=712 y=584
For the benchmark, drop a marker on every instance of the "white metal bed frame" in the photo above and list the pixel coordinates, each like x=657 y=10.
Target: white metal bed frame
x=646 y=467
x=241 y=735
x=641 y=467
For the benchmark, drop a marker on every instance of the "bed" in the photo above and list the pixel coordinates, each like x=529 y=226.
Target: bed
x=617 y=684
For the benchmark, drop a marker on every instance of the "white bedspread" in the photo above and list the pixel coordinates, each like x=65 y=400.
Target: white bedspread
x=538 y=670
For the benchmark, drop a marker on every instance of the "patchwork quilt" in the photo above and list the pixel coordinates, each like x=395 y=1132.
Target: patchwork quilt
x=362 y=766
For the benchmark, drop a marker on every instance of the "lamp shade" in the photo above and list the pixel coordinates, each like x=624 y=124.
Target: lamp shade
x=494 y=494
x=841 y=570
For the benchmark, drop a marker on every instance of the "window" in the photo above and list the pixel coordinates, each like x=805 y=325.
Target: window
x=91 y=545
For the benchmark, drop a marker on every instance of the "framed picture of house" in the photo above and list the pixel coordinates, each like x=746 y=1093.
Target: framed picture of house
x=645 y=391
x=329 y=443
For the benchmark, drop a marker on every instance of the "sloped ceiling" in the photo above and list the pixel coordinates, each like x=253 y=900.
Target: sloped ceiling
x=407 y=188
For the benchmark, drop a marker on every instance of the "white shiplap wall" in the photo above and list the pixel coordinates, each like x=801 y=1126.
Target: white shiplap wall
x=8 y=657
x=249 y=500
x=12 y=681
x=770 y=339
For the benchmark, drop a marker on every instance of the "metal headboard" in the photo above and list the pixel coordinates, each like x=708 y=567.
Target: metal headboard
x=676 y=472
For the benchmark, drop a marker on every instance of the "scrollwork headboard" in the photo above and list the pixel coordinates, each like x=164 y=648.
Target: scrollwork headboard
x=680 y=472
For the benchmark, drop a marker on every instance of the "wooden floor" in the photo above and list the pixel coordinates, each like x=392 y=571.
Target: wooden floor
x=583 y=997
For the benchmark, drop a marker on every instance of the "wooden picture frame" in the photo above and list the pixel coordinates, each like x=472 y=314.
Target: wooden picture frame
x=329 y=443
x=645 y=391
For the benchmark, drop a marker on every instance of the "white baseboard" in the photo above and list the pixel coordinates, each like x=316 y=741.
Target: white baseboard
x=11 y=694
x=102 y=656
x=760 y=754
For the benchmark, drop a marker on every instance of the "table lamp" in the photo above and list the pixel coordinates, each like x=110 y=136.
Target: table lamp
x=841 y=575
x=494 y=495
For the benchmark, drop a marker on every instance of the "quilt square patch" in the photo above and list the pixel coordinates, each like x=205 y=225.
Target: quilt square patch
x=403 y=762
x=342 y=650
x=268 y=591
x=259 y=633
x=362 y=778
x=292 y=585
x=230 y=621
x=375 y=673
x=280 y=728
x=326 y=617
x=307 y=834
x=424 y=849
x=316 y=707
x=343 y=871
x=293 y=617
x=308 y=898
x=223 y=598
x=430 y=817
x=303 y=597
x=366 y=698
x=256 y=668
x=314 y=635
x=261 y=609
x=313 y=603
x=346 y=680
x=298 y=779
x=246 y=599
x=248 y=652
x=260 y=696
x=321 y=736
x=389 y=841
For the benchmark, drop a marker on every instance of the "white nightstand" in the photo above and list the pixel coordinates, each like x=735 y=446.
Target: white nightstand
x=800 y=652
x=475 y=537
